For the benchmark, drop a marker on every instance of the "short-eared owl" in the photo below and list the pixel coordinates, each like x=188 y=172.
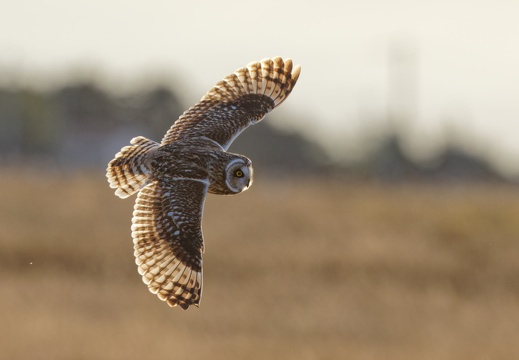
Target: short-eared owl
x=173 y=177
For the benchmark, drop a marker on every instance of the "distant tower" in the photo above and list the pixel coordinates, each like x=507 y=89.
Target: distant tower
x=403 y=86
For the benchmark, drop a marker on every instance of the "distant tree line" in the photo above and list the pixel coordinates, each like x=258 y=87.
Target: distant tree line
x=83 y=126
x=77 y=125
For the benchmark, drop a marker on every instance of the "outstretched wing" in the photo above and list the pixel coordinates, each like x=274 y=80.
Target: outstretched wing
x=168 y=240
x=239 y=100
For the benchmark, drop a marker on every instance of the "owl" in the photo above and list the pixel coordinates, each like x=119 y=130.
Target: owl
x=172 y=178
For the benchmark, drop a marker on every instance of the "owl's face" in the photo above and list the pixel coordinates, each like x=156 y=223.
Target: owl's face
x=238 y=175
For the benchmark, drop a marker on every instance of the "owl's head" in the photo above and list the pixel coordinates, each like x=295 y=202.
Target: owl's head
x=238 y=175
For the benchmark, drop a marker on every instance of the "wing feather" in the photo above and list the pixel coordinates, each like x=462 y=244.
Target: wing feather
x=168 y=242
x=239 y=100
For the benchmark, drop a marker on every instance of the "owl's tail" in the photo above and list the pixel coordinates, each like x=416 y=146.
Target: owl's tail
x=128 y=172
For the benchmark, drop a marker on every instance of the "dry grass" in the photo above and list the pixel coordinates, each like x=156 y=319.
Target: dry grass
x=293 y=270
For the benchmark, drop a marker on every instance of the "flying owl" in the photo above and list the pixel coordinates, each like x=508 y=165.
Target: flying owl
x=171 y=179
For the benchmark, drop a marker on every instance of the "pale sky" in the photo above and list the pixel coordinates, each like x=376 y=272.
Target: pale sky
x=464 y=54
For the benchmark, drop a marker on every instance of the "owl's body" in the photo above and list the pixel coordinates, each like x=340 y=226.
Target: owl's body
x=173 y=177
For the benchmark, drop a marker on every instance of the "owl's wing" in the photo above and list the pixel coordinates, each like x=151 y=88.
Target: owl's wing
x=168 y=240
x=239 y=100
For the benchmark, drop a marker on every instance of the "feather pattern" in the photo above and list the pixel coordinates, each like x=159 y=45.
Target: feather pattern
x=168 y=239
x=238 y=101
x=129 y=171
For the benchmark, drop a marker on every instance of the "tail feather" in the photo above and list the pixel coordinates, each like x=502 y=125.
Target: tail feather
x=128 y=171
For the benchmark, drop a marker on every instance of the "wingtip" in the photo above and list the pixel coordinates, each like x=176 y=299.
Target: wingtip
x=296 y=71
x=182 y=304
x=287 y=65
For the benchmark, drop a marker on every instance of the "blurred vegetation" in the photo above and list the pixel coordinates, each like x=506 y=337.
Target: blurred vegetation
x=82 y=126
x=293 y=269
x=76 y=126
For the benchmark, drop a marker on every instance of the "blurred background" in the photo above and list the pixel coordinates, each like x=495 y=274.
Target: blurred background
x=383 y=221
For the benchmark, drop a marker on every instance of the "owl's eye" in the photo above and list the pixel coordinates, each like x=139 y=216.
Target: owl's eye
x=238 y=173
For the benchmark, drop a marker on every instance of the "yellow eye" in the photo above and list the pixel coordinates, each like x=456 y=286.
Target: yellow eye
x=238 y=173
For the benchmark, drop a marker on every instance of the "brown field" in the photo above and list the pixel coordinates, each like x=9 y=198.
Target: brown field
x=293 y=270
